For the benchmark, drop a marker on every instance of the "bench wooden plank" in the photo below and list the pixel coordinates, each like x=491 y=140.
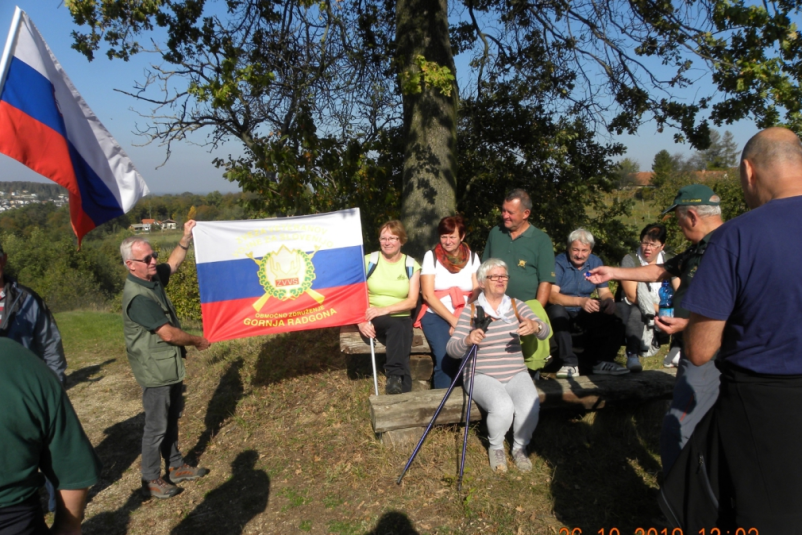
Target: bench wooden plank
x=351 y=342
x=591 y=392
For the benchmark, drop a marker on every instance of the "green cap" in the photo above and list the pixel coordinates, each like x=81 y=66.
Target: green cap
x=695 y=195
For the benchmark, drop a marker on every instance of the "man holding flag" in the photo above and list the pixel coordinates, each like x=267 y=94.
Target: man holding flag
x=156 y=350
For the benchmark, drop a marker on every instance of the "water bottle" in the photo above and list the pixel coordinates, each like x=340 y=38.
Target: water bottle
x=666 y=294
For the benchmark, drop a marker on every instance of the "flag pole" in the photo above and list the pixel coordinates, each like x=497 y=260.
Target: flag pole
x=12 y=36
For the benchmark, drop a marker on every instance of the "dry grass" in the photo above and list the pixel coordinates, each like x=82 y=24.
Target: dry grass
x=287 y=437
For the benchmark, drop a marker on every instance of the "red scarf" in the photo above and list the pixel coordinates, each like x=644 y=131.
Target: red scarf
x=455 y=263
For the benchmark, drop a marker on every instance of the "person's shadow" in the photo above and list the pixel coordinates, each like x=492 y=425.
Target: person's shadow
x=393 y=523
x=242 y=497
x=85 y=374
x=114 y=521
x=222 y=405
x=118 y=451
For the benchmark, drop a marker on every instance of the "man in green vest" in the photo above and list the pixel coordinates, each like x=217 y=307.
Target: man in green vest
x=156 y=350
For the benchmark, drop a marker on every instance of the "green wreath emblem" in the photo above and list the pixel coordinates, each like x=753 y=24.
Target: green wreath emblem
x=284 y=293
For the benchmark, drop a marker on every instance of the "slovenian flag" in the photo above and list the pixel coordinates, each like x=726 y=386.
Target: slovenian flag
x=267 y=276
x=47 y=126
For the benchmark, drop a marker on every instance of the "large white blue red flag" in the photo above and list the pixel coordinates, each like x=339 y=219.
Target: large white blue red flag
x=266 y=276
x=46 y=125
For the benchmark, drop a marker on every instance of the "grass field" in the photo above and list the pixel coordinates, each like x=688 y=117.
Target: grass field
x=287 y=437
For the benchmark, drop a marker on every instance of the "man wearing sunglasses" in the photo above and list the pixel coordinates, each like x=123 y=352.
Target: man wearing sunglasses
x=156 y=350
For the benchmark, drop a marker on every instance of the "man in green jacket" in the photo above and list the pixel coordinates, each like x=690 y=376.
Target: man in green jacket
x=156 y=350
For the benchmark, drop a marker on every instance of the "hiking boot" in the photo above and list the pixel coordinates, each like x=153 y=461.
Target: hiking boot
x=633 y=363
x=567 y=371
x=394 y=385
x=159 y=488
x=186 y=473
x=498 y=460
x=521 y=460
x=672 y=358
x=609 y=368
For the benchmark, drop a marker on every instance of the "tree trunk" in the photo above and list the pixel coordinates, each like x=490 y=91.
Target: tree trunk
x=430 y=124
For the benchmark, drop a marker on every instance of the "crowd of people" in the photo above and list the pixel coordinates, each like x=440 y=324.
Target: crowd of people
x=732 y=336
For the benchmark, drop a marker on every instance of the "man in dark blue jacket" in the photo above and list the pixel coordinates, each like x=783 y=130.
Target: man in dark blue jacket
x=25 y=318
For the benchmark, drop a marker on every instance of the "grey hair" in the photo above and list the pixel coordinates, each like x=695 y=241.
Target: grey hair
x=489 y=264
x=128 y=244
x=521 y=195
x=702 y=210
x=582 y=236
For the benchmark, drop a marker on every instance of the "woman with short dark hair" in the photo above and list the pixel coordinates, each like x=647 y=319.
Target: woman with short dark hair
x=448 y=280
x=639 y=300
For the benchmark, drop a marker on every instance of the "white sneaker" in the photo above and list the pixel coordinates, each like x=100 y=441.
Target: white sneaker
x=672 y=358
x=568 y=371
x=609 y=368
x=633 y=363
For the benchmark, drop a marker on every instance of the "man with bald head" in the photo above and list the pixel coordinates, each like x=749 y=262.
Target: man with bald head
x=745 y=303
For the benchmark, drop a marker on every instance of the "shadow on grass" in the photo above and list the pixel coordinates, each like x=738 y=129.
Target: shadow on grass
x=393 y=523
x=298 y=353
x=114 y=521
x=118 y=451
x=228 y=508
x=602 y=462
x=222 y=405
x=85 y=374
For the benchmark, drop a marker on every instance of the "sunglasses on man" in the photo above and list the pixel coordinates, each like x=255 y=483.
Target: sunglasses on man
x=147 y=259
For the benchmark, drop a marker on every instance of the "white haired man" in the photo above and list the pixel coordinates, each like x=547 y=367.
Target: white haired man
x=571 y=306
x=156 y=350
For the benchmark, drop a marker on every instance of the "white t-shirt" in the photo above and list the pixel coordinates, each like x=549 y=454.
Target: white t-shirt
x=444 y=279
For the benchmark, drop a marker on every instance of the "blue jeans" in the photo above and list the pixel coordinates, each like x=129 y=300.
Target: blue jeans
x=163 y=407
x=436 y=330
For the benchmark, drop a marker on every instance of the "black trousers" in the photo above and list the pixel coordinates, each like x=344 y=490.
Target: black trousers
x=396 y=334
x=26 y=518
x=760 y=428
x=602 y=335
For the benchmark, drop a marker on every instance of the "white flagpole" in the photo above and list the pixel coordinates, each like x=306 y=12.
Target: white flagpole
x=12 y=37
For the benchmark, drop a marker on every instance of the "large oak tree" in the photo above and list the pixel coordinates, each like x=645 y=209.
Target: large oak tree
x=354 y=102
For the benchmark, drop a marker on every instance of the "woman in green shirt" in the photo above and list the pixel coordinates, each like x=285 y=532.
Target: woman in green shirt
x=393 y=288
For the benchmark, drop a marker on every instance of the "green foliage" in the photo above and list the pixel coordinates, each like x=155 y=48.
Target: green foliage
x=721 y=154
x=506 y=141
x=625 y=172
x=663 y=167
x=65 y=278
x=413 y=81
x=183 y=289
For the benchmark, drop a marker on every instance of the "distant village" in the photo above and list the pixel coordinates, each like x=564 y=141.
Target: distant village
x=18 y=198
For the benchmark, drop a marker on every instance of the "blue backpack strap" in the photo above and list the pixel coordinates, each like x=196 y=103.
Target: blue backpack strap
x=373 y=261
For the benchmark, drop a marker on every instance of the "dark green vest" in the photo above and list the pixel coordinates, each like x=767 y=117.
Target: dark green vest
x=153 y=361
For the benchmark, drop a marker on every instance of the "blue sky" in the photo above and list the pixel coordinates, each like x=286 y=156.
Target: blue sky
x=190 y=167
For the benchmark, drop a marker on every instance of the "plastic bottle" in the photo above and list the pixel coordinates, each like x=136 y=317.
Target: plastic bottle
x=666 y=293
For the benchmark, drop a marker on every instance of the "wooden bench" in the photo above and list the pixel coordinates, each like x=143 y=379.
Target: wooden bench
x=420 y=359
x=399 y=420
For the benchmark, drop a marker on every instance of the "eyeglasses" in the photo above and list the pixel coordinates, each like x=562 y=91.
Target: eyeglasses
x=650 y=245
x=147 y=259
x=389 y=240
x=501 y=278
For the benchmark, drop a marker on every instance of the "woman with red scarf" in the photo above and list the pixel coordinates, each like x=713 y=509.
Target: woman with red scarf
x=448 y=282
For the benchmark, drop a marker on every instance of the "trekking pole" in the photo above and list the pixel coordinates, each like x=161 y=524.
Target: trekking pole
x=471 y=377
x=373 y=361
x=471 y=353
